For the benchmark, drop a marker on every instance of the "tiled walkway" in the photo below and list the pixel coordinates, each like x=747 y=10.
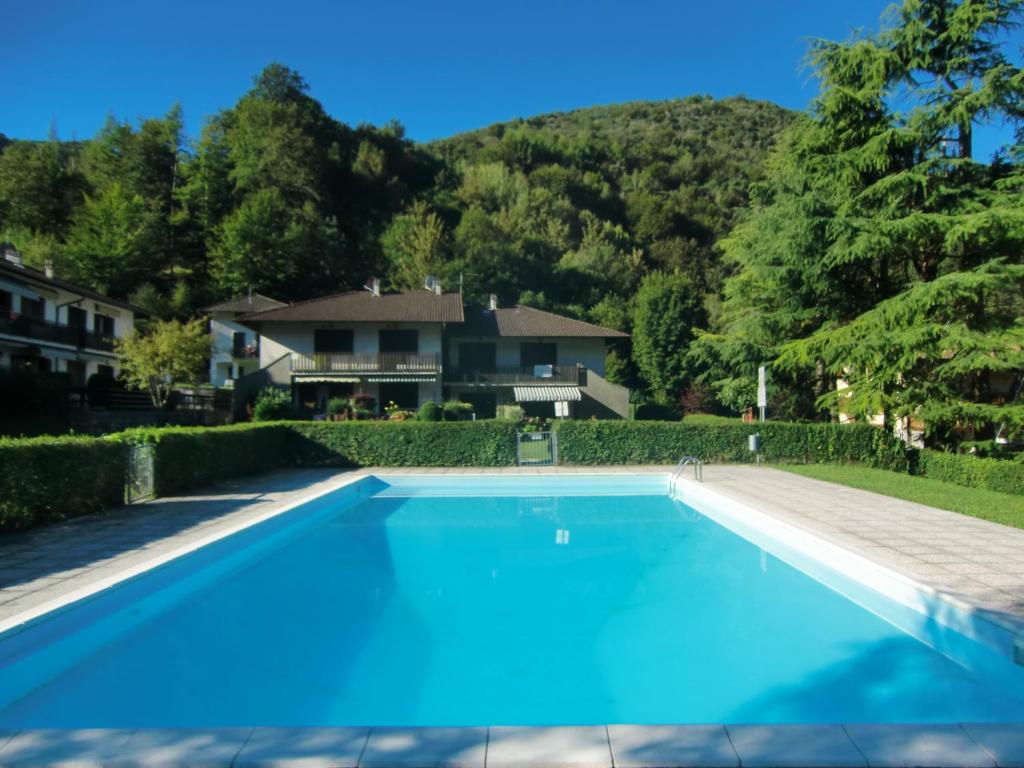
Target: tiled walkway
x=979 y=561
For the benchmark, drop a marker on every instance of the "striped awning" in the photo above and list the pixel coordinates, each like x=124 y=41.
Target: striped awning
x=546 y=394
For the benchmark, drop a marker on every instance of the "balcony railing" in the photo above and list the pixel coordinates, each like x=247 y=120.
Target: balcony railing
x=385 y=362
x=245 y=351
x=503 y=375
x=46 y=330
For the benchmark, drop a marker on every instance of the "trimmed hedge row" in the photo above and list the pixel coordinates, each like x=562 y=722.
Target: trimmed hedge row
x=719 y=439
x=970 y=471
x=46 y=479
x=405 y=443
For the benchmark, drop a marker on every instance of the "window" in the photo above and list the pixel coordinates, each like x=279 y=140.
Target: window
x=333 y=340
x=478 y=356
x=405 y=395
x=105 y=370
x=238 y=344
x=5 y=303
x=103 y=324
x=400 y=341
x=532 y=353
x=76 y=372
x=35 y=308
x=77 y=318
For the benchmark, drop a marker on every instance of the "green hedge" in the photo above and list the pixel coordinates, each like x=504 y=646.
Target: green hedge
x=971 y=471
x=405 y=443
x=185 y=458
x=720 y=439
x=45 y=479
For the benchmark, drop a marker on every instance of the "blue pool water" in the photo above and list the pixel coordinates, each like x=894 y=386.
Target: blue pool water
x=473 y=601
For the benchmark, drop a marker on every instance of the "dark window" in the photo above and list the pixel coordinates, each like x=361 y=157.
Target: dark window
x=405 y=395
x=5 y=302
x=333 y=340
x=238 y=343
x=33 y=308
x=77 y=318
x=76 y=372
x=103 y=324
x=400 y=341
x=531 y=354
x=105 y=370
x=478 y=356
x=485 y=404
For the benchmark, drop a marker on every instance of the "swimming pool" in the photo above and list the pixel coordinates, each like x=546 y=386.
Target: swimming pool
x=462 y=600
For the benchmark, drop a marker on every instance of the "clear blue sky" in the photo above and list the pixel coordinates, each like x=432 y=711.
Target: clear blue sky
x=440 y=66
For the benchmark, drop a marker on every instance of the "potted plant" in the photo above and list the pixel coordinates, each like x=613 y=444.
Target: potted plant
x=337 y=409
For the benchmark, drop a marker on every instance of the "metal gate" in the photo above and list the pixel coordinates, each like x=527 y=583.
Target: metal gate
x=536 y=449
x=139 y=477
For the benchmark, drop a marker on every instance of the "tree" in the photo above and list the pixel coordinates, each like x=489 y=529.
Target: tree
x=169 y=354
x=668 y=308
x=415 y=246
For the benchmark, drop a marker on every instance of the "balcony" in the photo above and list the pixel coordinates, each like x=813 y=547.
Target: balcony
x=385 y=362
x=509 y=375
x=55 y=333
x=245 y=351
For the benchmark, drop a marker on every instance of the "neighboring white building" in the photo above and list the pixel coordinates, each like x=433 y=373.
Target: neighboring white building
x=236 y=347
x=50 y=325
x=409 y=348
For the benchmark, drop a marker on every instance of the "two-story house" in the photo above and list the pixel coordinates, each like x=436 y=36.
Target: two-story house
x=388 y=346
x=537 y=359
x=408 y=348
x=50 y=325
x=236 y=347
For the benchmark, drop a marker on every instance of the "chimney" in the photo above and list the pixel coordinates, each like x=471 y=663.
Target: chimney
x=48 y=268
x=374 y=286
x=493 y=302
x=11 y=254
x=437 y=287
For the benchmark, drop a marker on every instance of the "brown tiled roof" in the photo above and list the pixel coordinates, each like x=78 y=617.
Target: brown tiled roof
x=527 y=321
x=364 y=307
x=28 y=273
x=255 y=302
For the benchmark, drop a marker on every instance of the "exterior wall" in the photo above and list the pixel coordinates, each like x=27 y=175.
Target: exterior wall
x=588 y=352
x=223 y=365
x=55 y=310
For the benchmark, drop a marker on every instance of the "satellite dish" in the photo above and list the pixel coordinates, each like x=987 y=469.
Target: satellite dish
x=431 y=283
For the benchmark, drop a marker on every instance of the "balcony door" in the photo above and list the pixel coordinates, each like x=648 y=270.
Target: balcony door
x=103 y=325
x=332 y=340
x=535 y=353
x=478 y=356
x=77 y=318
x=392 y=340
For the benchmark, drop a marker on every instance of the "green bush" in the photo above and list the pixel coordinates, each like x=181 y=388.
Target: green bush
x=405 y=444
x=45 y=479
x=272 y=404
x=970 y=471
x=186 y=458
x=337 y=406
x=714 y=438
x=429 y=411
x=511 y=413
x=454 y=410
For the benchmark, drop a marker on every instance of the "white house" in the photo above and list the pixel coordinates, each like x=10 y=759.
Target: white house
x=50 y=325
x=236 y=347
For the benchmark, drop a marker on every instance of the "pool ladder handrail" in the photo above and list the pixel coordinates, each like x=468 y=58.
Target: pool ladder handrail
x=698 y=471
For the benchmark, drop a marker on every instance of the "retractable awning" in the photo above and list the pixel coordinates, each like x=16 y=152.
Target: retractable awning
x=326 y=379
x=546 y=394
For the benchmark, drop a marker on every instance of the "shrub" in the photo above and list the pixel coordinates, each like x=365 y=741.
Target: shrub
x=655 y=412
x=405 y=444
x=185 y=458
x=714 y=438
x=970 y=471
x=511 y=413
x=272 y=404
x=453 y=410
x=429 y=411
x=45 y=479
x=337 y=406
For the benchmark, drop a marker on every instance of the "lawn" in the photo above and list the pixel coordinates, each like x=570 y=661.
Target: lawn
x=989 y=505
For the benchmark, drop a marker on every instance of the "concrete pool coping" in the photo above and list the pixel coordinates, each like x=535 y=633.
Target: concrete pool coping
x=613 y=745
x=966 y=745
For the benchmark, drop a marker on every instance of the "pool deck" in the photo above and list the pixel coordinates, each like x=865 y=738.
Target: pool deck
x=972 y=562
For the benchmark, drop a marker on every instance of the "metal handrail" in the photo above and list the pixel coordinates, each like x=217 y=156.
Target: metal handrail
x=698 y=471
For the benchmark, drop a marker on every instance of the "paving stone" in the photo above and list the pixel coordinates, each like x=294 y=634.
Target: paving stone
x=919 y=746
x=1004 y=741
x=302 y=748
x=549 y=747
x=795 y=746
x=178 y=747
x=671 y=746
x=425 y=748
x=89 y=748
